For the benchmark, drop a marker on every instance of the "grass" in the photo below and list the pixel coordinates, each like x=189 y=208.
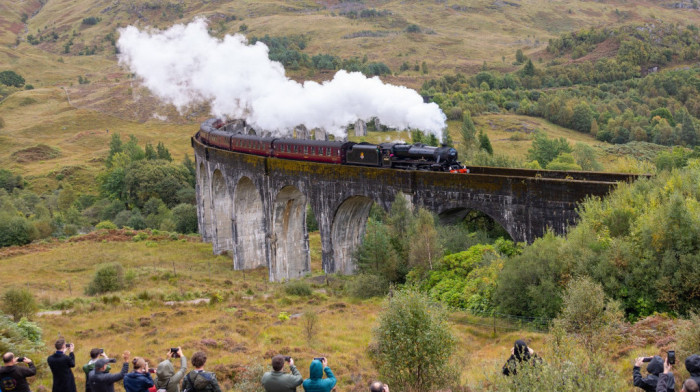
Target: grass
x=241 y=330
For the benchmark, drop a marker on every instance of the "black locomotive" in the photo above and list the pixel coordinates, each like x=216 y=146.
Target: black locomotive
x=391 y=155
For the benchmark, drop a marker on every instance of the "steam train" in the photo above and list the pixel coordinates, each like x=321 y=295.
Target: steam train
x=390 y=155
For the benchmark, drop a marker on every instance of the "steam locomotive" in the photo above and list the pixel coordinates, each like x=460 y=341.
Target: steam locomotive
x=390 y=155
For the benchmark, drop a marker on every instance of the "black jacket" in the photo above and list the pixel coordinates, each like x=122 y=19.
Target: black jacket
x=16 y=376
x=61 y=364
x=649 y=383
x=103 y=381
x=692 y=364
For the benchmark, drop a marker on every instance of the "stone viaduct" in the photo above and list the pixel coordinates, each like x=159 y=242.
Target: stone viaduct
x=255 y=207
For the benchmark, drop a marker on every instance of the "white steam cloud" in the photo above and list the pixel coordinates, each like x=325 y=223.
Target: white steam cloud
x=185 y=65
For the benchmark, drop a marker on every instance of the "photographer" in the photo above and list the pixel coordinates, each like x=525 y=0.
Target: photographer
x=95 y=353
x=166 y=378
x=279 y=381
x=14 y=378
x=378 y=386
x=692 y=365
x=518 y=354
x=667 y=377
x=61 y=364
x=101 y=381
x=315 y=382
x=198 y=380
x=140 y=379
x=655 y=367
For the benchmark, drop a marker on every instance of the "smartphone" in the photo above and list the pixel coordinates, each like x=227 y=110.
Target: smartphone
x=151 y=370
x=320 y=359
x=287 y=358
x=102 y=351
x=647 y=359
x=671 y=357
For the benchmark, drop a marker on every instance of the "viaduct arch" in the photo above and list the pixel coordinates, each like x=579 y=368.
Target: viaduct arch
x=255 y=207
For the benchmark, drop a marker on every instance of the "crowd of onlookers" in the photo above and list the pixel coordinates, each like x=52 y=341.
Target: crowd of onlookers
x=98 y=376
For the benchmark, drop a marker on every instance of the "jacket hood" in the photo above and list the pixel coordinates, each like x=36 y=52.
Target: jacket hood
x=316 y=370
x=692 y=365
x=656 y=366
x=521 y=352
x=165 y=370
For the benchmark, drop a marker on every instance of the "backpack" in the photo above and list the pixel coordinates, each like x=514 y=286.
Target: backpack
x=191 y=388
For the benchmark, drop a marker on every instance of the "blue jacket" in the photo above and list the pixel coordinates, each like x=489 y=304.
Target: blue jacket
x=137 y=382
x=315 y=382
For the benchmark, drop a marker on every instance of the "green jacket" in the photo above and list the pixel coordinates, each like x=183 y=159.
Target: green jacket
x=166 y=377
x=281 y=381
x=200 y=382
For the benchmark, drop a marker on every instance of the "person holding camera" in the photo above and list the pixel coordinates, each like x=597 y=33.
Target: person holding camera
x=655 y=367
x=14 y=378
x=166 y=378
x=95 y=354
x=140 y=379
x=519 y=354
x=692 y=365
x=198 y=380
x=315 y=382
x=61 y=365
x=279 y=381
x=101 y=381
x=667 y=378
x=378 y=386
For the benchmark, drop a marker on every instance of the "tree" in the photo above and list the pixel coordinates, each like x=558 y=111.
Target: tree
x=519 y=56
x=689 y=135
x=468 y=130
x=145 y=179
x=564 y=161
x=150 y=152
x=585 y=157
x=582 y=118
x=19 y=303
x=400 y=221
x=413 y=343
x=529 y=68
x=115 y=146
x=185 y=218
x=107 y=278
x=163 y=152
x=424 y=248
x=544 y=149
x=15 y=230
x=10 y=181
x=485 y=143
x=375 y=255
x=11 y=78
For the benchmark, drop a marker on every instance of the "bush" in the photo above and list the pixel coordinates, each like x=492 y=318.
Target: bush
x=107 y=278
x=298 y=287
x=185 y=218
x=413 y=343
x=688 y=336
x=249 y=380
x=106 y=225
x=22 y=337
x=367 y=286
x=19 y=303
x=15 y=230
x=11 y=78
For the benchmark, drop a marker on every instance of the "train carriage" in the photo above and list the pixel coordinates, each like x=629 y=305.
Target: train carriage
x=251 y=144
x=310 y=150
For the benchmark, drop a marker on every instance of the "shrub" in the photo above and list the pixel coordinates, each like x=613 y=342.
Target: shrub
x=185 y=218
x=11 y=78
x=310 y=325
x=688 y=336
x=367 y=286
x=20 y=337
x=19 y=303
x=15 y=230
x=413 y=343
x=106 y=225
x=107 y=278
x=91 y=20
x=249 y=380
x=298 y=287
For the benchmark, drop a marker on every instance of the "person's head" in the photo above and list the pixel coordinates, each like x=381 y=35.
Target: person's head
x=692 y=364
x=101 y=365
x=139 y=364
x=690 y=386
x=95 y=352
x=521 y=351
x=656 y=365
x=8 y=359
x=277 y=362
x=60 y=344
x=199 y=359
x=376 y=387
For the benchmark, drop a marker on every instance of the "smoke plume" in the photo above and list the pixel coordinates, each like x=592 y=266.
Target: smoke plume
x=184 y=65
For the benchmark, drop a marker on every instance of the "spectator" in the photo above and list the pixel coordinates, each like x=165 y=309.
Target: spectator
x=315 y=382
x=688 y=386
x=198 y=380
x=655 y=367
x=14 y=378
x=101 y=381
x=140 y=379
x=279 y=381
x=692 y=365
x=166 y=378
x=518 y=354
x=61 y=364
x=95 y=353
x=378 y=387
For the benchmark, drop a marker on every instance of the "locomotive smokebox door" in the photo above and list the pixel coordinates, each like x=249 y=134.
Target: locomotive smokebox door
x=364 y=154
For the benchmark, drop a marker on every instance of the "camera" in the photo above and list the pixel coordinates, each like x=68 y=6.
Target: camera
x=671 y=357
x=647 y=359
x=112 y=360
x=20 y=359
x=320 y=359
x=287 y=358
x=174 y=350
